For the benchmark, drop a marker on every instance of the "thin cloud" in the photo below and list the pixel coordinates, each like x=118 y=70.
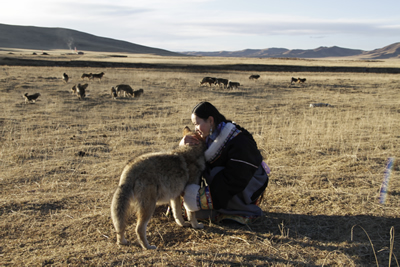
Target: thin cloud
x=394 y=27
x=99 y=10
x=189 y=24
x=291 y=26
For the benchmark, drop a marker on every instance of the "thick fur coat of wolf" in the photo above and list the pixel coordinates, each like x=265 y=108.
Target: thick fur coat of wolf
x=156 y=178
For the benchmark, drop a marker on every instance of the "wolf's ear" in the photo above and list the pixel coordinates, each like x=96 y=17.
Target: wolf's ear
x=186 y=131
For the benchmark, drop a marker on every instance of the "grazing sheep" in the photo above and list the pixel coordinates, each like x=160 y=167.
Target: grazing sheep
x=65 y=77
x=223 y=82
x=208 y=80
x=97 y=76
x=31 y=98
x=73 y=90
x=138 y=93
x=85 y=75
x=126 y=89
x=81 y=90
x=300 y=80
x=254 y=77
x=320 y=105
x=113 y=93
x=233 y=85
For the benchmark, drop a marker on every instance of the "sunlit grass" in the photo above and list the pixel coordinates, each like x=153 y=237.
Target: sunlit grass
x=327 y=166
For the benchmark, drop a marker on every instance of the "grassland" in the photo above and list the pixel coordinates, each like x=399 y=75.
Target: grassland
x=321 y=206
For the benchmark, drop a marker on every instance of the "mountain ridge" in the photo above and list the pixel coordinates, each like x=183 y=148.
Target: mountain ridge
x=42 y=38
x=390 y=51
x=46 y=38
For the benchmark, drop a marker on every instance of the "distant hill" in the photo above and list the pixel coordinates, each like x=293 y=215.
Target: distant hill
x=390 y=51
x=320 y=52
x=41 y=38
x=269 y=52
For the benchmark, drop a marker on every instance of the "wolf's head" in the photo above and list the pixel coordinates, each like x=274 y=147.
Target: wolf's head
x=187 y=131
x=202 y=144
x=194 y=156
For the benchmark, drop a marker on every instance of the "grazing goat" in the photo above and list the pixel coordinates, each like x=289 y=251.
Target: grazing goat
x=97 y=76
x=113 y=93
x=85 y=75
x=31 y=98
x=254 y=77
x=208 y=80
x=138 y=93
x=81 y=90
x=223 y=82
x=124 y=88
x=73 y=90
x=233 y=85
x=320 y=105
x=65 y=77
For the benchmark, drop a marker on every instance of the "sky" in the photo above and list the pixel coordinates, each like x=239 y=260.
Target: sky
x=219 y=25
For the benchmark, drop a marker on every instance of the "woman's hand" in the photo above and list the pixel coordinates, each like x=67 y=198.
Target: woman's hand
x=189 y=140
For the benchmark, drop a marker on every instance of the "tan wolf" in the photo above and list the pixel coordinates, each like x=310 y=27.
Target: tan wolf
x=156 y=178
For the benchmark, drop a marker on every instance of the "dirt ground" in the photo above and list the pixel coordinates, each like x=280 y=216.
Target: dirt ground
x=61 y=158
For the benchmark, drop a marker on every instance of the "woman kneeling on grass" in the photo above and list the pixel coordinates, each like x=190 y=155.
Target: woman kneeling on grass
x=235 y=176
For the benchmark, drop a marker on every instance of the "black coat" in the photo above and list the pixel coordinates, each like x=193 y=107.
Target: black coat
x=240 y=158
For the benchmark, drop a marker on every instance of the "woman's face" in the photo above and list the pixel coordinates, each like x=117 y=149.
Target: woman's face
x=202 y=126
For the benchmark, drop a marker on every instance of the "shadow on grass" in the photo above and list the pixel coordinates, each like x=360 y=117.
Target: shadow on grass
x=326 y=228
x=308 y=235
x=359 y=236
x=252 y=257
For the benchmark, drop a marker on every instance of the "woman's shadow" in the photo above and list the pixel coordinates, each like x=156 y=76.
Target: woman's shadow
x=360 y=237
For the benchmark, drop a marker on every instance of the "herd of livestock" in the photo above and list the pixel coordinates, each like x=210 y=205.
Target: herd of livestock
x=225 y=83
x=126 y=90
x=80 y=89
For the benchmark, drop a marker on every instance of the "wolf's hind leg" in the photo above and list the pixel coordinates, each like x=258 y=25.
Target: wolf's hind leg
x=119 y=211
x=177 y=212
x=143 y=217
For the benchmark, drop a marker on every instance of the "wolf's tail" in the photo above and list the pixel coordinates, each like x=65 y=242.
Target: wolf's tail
x=120 y=206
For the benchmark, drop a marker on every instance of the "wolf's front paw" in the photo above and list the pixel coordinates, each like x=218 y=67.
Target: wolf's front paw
x=122 y=241
x=182 y=223
x=198 y=225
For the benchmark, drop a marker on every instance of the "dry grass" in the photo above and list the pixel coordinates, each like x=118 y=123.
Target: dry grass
x=327 y=167
x=61 y=55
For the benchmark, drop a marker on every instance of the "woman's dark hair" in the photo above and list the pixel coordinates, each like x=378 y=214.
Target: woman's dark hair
x=204 y=110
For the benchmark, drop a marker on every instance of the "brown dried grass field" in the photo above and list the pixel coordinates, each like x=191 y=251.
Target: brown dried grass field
x=321 y=206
